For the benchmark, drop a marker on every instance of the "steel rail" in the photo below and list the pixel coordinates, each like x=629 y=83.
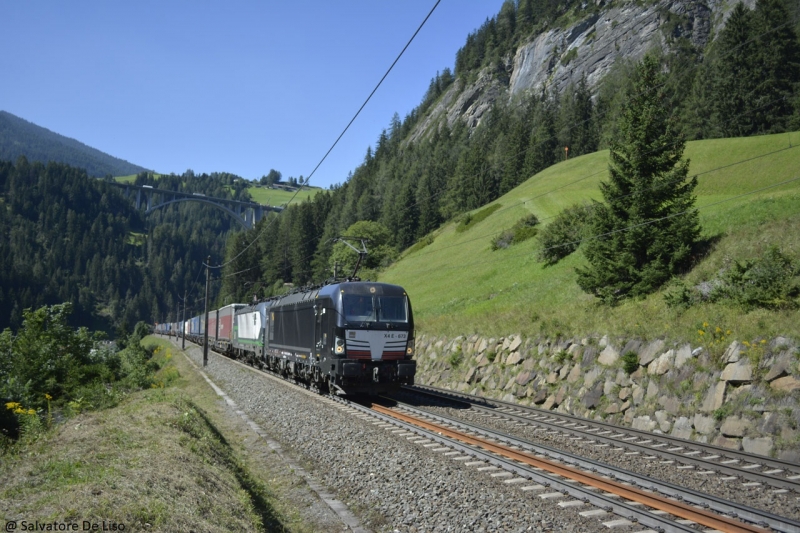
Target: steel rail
x=721 y=453
x=690 y=496
x=676 y=508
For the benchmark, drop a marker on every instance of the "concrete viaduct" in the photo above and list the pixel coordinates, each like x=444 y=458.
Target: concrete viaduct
x=245 y=213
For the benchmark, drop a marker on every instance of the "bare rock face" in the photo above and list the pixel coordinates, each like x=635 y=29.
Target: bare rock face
x=608 y=356
x=662 y=364
x=682 y=428
x=758 y=445
x=714 y=397
x=738 y=372
x=786 y=384
x=626 y=32
x=734 y=426
x=560 y=56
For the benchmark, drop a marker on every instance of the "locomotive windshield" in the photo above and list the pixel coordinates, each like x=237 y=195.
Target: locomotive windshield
x=361 y=308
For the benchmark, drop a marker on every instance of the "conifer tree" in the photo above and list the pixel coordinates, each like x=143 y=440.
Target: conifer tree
x=779 y=60
x=645 y=230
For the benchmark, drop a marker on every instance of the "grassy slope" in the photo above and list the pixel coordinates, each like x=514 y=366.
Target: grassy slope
x=130 y=178
x=278 y=197
x=165 y=459
x=459 y=286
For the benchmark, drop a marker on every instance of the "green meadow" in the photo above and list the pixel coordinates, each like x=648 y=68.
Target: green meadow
x=459 y=286
x=131 y=178
x=279 y=197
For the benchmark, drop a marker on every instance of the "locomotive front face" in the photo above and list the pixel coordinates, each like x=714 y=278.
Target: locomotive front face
x=374 y=334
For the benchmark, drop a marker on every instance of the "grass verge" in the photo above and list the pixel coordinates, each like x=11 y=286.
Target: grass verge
x=169 y=458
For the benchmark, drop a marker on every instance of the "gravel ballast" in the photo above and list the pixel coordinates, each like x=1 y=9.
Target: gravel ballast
x=390 y=483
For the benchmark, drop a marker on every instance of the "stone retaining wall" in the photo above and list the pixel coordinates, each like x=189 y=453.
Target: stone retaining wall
x=746 y=397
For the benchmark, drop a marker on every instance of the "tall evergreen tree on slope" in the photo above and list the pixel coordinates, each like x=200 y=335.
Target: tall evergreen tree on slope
x=645 y=230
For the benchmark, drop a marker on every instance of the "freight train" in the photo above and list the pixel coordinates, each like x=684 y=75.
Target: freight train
x=350 y=337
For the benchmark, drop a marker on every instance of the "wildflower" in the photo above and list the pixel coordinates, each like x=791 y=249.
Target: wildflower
x=705 y=324
x=718 y=330
x=763 y=341
x=728 y=332
x=47 y=396
x=746 y=343
x=31 y=412
x=19 y=411
x=13 y=405
x=701 y=332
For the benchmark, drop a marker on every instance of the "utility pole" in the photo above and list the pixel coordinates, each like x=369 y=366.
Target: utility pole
x=205 y=335
x=183 y=323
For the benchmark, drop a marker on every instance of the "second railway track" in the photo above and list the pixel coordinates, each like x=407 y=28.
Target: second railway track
x=781 y=475
x=554 y=469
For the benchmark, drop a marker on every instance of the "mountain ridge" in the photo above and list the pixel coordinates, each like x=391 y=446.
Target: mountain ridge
x=20 y=137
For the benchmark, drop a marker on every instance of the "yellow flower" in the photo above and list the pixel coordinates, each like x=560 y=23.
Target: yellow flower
x=763 y=341
x=718 y=330
x=19 y=411
x=701 y=332
x=31 y=412
x=728 y=332
x=12 y=405
x=746 y=343
x=705 y=324
x=47 y=396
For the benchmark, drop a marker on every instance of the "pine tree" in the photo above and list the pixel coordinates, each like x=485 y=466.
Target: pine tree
x=576 y=124
x=778 y=57
x=645 y=230
x=734 y=80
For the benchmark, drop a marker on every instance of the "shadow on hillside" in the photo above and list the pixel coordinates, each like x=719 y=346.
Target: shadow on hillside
x=702 y=249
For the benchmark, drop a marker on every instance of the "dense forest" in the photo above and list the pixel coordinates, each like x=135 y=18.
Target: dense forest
x=19 y=137
x=745 y=83
x=72 y=238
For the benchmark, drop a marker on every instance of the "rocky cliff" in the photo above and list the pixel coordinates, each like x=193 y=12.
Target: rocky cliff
x=562 y=55
x=745 y=396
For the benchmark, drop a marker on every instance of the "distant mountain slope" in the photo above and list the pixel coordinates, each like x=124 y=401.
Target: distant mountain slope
x=20 y=137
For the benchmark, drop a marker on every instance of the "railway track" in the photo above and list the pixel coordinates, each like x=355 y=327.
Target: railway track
x=782 y=476
x=576 y=481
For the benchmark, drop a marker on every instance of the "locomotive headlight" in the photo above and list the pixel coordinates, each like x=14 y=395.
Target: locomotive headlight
x=410 y=347
x=339 y=345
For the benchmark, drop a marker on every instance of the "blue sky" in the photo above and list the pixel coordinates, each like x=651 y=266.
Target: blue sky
x=242 y=86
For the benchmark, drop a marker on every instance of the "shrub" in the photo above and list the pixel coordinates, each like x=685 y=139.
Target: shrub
x=470 y=219
x=770 y=281
x=48 y=364
x=563 y=235
x=630 y=362
x=455 y=358
x=562 y=356
x=420 y=244
x=524 y=229
x=679 y=295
